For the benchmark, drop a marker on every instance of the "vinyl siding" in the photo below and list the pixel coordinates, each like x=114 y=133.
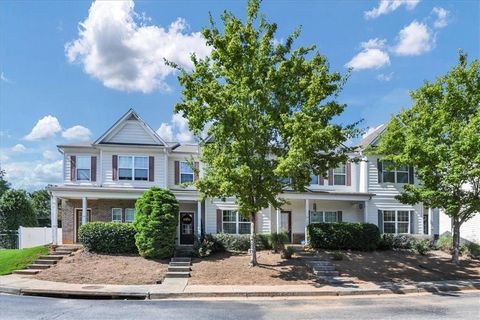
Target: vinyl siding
x=66 y=166
x=171 y=169
x=131 y=132
x=470 y=230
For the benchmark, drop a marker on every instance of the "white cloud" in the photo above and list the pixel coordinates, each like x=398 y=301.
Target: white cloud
x=371 y=57
x=385 y=77
x=117 y=46
x=387 y=6
x=78 y=133
x=414 y=40
x=442 y=17
x=374 y=44
x=4 y=78
x=50 y=155
x=19 y=148
x=31 y=175
x=45 y=128
x=176 y=130
x=3 y=157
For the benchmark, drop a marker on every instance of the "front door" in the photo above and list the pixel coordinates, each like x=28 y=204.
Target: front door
x=186 y=228
x=286 y=223
x=78 y=220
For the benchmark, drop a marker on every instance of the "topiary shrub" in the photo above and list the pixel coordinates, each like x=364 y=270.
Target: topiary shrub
x=232 y=242
x=108 y=237
x=344 y=235
x=156 y=219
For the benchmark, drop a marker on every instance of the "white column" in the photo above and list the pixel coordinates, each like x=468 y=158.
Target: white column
x=84 y=210
x=54 y=218
x=430 y=216
x=365 y=211
x=199 y=218
x=307 y=211
x=278 y=221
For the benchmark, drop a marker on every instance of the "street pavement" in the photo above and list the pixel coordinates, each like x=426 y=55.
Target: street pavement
x=450 y=305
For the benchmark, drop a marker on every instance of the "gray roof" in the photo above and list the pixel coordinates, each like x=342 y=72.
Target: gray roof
x=80 y=144
x=186 y=148
x=371 y=138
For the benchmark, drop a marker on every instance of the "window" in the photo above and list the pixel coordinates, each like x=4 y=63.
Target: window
x=323 y=216
x=133 y=168
x=394 y=175
x=129 y=214
x=396 y=221
x=186 y=172
x=234 y=223
x=116 y=214
x=340 y=176
x=83 y=168
x=313 y=179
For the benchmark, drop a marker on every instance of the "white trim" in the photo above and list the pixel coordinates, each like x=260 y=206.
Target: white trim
x=237 y=222
x=125 y=215
x=339 y=174
x=54 y=219
x=396 y=222
x=133 y=166
x=77 y=168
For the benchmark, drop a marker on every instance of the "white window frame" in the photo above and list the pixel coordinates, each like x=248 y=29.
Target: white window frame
x=323 y=214
x=395 y=172
x=237 y=222
x=185 y=173
x=133 y=217
x=344 y=174
x=397 y=222
x=133 y=167
x=121 y=215
x=89 y=167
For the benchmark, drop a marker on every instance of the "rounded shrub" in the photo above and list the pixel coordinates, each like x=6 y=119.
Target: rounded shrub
x=156 y=218
x=232 y=242
x=108 y=237
x=344 y=236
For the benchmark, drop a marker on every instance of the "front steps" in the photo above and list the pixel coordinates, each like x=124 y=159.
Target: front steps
x=46 y=261
x=324 y=270
x=179 y=267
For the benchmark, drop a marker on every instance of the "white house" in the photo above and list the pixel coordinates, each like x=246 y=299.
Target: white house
x=102 y=180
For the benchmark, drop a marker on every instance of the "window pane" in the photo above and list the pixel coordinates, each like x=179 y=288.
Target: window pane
x=83 y=162
x=185 y=168
x=229 y=227
x=186 y=177
x=83 y=174
x=389 y=216
x=316 y=216
x=141 y=174
x=402 y=177
x=244 y=228
x=241 y=218
x=389 y=176
x=124 y=162
x=330 y=216
x=141 y=163
x=389 y=227
x=313 y=179
x=338 y=180
x=129 y=214
x=117 y=214
x=340 y=169
x=402 y=227
x=229 y=215
x=403 y=168
x=402 y=216
x=125 y=174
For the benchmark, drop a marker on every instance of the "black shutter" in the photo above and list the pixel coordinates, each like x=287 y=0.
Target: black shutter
x=380 y=170
x=411 y=178
x=339 y=216
x=219 y=221
x=412 y=224
x=380 y=220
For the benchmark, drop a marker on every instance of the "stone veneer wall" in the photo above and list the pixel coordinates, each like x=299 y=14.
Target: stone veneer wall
x=101 y=211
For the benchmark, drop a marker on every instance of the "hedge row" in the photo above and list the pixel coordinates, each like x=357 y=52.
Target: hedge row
x=108 y=237
x=344 y=236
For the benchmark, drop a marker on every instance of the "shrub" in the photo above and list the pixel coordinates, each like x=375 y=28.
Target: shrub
x=278 y=241
x=263 y=241
x=206 y=246
x=386 y=242
x=108 y=237
x=232 y=242
x=473 y=249
x=156 y=218
x=445 y=243
x=287 y=252
x=338 y=256
x=421 y=246
x=402 y=241
x=344 y=235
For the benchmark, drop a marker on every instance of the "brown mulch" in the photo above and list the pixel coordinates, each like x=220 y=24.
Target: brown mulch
x=403 y=266
x=234 y=269
x=90 y=268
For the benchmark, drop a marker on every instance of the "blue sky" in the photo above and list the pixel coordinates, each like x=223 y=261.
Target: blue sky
x=61 y=83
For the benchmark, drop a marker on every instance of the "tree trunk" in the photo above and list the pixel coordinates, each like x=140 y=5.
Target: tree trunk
x=456 y=241
x=253 y=247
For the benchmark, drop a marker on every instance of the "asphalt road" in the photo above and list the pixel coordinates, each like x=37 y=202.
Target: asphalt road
x=445 y=306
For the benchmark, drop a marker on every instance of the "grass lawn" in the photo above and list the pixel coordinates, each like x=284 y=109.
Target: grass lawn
x=11 y=260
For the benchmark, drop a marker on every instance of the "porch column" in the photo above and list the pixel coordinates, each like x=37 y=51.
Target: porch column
x=199 y=218
x=54 y=218
x=278 y=221
x=307 y=211
x=84 y=210
x=365 y=211
x=429 y=219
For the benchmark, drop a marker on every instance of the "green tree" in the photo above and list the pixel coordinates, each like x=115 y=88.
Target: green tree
x=4 y=184
x=156 y=218
x=267 y=109
x=41 y=205
x=440 y=136
x=16 y=210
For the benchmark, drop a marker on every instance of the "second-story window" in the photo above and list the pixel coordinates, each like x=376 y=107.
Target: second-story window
x=83 y=168
x=133 y=168
x=393 y=174
x=186 y=172
x=340 y=176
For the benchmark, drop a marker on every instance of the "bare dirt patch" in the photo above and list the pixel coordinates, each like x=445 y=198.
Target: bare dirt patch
x=403 y=266
x=233 y=269
x=91 y=268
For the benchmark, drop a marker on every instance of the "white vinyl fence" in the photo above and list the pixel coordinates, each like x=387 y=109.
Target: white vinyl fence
x=31 y=237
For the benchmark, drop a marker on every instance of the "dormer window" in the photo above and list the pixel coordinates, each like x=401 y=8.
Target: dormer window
x=133 y=168
x=83 y=168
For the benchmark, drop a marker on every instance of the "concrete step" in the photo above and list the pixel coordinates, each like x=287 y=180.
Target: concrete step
x=180 y=264
x=333 y=279
x=63 y=253
x=170 y=274
x=52 y=257
x=181 y=259
x=71 y=249
x=323 y=268
x=38 y=266
x=27 y=271
x=179 y=269
x=326 y=273
x=45 y=261
x=319 y=263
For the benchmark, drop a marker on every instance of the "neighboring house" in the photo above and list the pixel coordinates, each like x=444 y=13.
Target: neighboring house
x=103 y=179
x=470 y=230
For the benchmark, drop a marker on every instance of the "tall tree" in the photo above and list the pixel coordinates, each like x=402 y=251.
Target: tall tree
x=267 y=109
x=440 y=136
x=4 y=184
x=16 y=210
x=41 y=206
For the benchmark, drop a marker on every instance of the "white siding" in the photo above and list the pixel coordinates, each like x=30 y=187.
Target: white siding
x=131 y=132
x=210 y=217
x=354 y=187
x=171 y=169
x=263 y=221
x=67 y=164
x=470 y=230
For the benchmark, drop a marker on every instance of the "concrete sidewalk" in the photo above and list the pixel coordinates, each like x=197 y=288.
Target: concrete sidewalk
x=179 y=288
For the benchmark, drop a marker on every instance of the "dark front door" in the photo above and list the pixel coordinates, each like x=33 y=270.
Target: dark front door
x=186 y=228
x=286 y=223
x=78 y=220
